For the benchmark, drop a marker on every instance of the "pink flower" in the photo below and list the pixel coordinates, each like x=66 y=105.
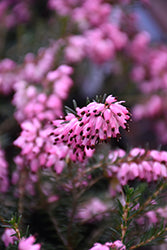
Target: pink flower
x=139 y=46
x=7 y=237
x=28 y=244
x=75 y=50
x=37 y=148
x=94 y=209
x=118 y=245
x=92 y=124
x=8 y=75
x=98 y=246
x=139 y=163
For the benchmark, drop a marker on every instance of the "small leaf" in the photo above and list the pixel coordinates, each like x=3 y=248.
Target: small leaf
x=104 y=98
x=87 y=100
x=75 y=104
x=69 y=110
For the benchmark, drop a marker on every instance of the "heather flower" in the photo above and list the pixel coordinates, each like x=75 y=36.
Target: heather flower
x=85 y=13
x=92 y=210
x=91 y=14
x=109 y=39
x=98 y=246
x=91 y=125
x=13 y=13
x=61 y=80
x=38 y=149
x=35 y=68
x=151 y=108
x=44 y=101
x=138 y=48
x=28 y=243
x=148 y=165
x=63 y=7
x=75 y=49
x=117 y=245
x=102 y=50
x=7 y=237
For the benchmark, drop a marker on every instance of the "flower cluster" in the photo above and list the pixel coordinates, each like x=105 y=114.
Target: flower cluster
x=45 y=104
x=8 y=75
x=91 y=125
x=149 y=69
x=37 y=149
x=109 y=39
x=24 y=243
x=149 y=72
x=148 y=165
x=117 y=245
x=84 y=13
x=7 y=237
x=14 y=12
x=92 y=210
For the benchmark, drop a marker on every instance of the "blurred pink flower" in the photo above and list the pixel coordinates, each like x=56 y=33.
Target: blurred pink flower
x=7 y=237
x=28 y=244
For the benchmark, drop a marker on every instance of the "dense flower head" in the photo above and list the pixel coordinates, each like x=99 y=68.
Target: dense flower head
x=44 y=100
x=38 y=149
x=90 y=125
x=147 y=165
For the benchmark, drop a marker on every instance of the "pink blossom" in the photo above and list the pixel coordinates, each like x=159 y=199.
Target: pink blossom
x=36 y=101
x=34 y=68
x=102 y=50
x=7 y=237
x=38 y=148
x=13 y=13
x=98 y=246
x=118 y=245
x=109 y=39
x=92 y=210
x=148 y=165
x=92 y=124
x=8 y=75
x=139 y=46
x=53 y=198
x=151 y=108
x=28 y=243
x=91 y=14
x=75 y=50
